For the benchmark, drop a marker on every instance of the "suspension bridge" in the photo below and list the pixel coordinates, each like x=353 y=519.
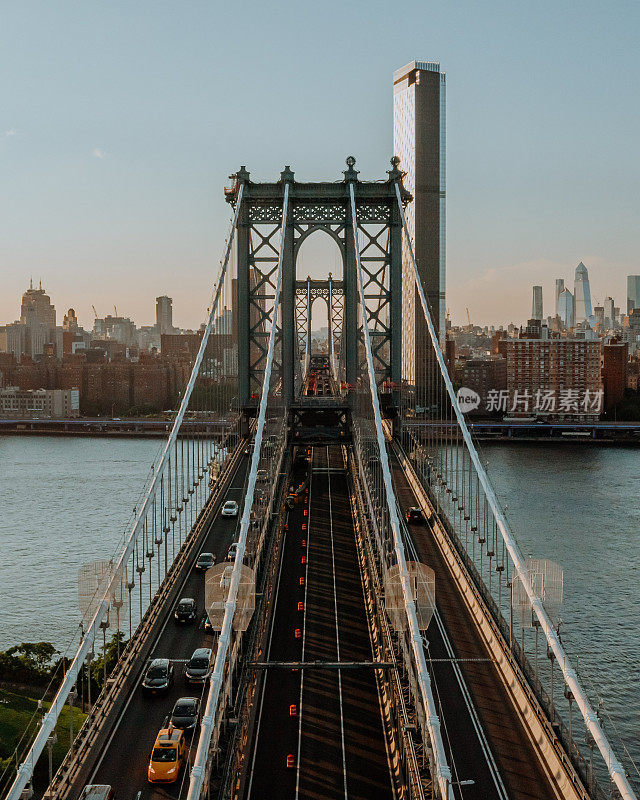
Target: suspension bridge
x=370 y=624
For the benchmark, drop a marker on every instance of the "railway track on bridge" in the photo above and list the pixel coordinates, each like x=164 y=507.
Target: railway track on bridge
x=326 y=720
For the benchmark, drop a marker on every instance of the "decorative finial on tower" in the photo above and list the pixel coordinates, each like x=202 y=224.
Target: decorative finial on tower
x=286 y=176
x=394 y=173
x=350 y=174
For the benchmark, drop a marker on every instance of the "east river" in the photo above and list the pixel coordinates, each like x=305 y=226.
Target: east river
x=66 y=501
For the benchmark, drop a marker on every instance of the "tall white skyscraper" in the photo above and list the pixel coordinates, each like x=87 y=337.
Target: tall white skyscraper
x=536 y=303
x=582 y=294
x=419 y=141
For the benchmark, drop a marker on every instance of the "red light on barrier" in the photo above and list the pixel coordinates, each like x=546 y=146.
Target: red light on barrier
x=297 y=633
x=304 y=526
x=293 y=710
x=305 y=512
x=302 y=581
x=304 y=542
x=303 y=560
x=301 y=606
x=291 y=762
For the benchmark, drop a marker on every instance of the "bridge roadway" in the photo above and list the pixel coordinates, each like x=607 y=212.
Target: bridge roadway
x=125 y=758
x=488 y=743
x=336 y=737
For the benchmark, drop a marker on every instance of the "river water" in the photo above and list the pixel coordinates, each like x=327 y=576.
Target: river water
x=66 y=501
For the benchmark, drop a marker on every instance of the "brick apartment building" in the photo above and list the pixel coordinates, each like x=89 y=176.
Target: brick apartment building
x=564 y=373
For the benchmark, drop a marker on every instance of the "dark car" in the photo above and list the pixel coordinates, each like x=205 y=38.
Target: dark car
x=185 y=610
x=186 y=714
x=199 y=666
x=158 y=677
x=206 y=623
x=205 y=560
x=415 y=516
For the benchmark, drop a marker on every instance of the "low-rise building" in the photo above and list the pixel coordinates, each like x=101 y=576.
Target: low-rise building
x=31 y=403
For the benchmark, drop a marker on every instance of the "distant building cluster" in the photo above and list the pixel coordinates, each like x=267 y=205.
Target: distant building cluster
x=51 y=370
x=580 y=363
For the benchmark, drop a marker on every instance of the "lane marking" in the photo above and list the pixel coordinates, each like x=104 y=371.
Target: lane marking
x=335 y=609
x=264 y=684
x=304 y=628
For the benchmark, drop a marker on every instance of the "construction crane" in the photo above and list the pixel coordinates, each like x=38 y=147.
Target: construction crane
x=95 y=313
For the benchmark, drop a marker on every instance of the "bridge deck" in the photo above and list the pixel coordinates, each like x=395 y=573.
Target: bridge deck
x=519 y=775
x=337 y=737
x=124 y=761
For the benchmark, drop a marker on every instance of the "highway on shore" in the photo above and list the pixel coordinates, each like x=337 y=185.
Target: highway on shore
x=124 y=761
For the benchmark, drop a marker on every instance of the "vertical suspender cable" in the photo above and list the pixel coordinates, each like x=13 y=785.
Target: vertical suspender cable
x=25 y=771
x=615 y=768
x=443 y=774
x=215 y=685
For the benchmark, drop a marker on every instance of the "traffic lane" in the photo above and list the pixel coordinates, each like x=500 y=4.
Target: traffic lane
x=321 y=753
x=516 y=763
x=125 y=763
x=276 y=734
x=366 y=754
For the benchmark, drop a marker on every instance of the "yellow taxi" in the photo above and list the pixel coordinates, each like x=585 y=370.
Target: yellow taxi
x=168 y=755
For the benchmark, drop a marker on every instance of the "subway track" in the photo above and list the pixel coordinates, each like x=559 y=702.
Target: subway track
x=335 y=737
x=488 y=743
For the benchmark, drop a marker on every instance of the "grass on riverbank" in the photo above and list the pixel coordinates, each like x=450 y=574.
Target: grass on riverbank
x=19 y=713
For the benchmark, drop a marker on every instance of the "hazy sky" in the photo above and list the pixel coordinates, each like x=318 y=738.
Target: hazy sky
x=120 y=122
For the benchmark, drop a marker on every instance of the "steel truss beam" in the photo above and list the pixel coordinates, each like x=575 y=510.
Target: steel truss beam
x=318 y=206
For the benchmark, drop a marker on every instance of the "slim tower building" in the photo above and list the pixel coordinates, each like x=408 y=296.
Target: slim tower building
x=536 y=303
x=559 y=290
x=582 y=294
x=164 y=315
x=419 y=141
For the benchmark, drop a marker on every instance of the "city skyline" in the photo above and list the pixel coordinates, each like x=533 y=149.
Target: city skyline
x=143 y=134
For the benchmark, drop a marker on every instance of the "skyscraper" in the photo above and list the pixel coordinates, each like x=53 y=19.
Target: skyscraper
x=39 y=316
x=609 y=313
x=565 y=308
x=536 y=303
x=633 y=292
x=419 y=141
x=164 y=315
x=559 y=290
x=582 y=294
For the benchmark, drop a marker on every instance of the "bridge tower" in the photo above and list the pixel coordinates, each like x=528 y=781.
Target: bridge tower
x=313 y=207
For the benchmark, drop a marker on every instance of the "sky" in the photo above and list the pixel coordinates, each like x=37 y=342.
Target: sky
x=120 y=122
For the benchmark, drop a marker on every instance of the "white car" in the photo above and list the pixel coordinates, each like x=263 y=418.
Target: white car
x=230 y=509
